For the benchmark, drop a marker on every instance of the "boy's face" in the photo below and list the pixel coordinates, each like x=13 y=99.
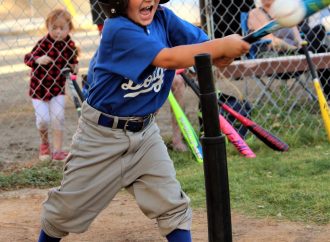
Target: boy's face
x=142 y=11
x=59 y=29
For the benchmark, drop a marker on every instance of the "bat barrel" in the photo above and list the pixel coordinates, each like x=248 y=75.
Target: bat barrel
x=215 y=158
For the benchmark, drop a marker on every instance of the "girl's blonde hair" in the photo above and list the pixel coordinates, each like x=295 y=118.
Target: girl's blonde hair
x=59 y=13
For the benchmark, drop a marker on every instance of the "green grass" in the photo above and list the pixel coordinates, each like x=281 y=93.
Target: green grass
x=293 y=185
x=42 y=175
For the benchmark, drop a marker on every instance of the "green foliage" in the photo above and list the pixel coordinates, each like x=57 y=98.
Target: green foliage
x=42 y=175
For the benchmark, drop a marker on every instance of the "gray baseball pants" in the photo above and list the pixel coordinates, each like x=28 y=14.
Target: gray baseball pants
x=102 y=161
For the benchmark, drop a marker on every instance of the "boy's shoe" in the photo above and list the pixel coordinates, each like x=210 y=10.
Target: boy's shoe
x=44 y=152
x=60 y=155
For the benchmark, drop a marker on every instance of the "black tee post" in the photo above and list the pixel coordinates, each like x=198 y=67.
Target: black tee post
x=215 y=157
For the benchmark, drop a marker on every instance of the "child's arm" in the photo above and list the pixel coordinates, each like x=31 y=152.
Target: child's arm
x=30 y=58
x=74 y=68
x=222 y=50
x=36 y=56
x=44 y=60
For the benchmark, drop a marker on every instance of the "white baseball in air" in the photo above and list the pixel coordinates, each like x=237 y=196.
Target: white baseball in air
x=326 y=23
x=288 y=13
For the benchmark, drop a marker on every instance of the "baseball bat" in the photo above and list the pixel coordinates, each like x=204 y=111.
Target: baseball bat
x=265 y=136
x=186 y=128
x=325 y=111
x=229 y=130
x=235 y=138
x=311 y=7
x=74 y=94
x=77 y=88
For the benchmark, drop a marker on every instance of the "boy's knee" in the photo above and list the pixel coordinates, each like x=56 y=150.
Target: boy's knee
x=62 y=222
x=60 y=217
x=51 y=230
x=176 y=220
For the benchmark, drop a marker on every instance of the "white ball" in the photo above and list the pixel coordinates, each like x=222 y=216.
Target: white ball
x=288 y=13
x=326 y=23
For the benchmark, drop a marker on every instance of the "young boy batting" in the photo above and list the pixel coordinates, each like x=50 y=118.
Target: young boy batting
x=117 y=143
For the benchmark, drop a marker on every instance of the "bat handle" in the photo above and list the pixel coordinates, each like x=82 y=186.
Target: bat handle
x=250 y=38
x=309 y=60
x=268 y=28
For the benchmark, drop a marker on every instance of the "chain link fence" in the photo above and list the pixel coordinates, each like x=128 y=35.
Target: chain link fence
x=282 y=103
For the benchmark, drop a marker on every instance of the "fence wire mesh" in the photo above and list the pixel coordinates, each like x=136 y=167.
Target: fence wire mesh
x=279 y=88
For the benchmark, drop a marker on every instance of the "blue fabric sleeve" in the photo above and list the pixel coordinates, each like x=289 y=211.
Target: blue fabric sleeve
x=181 y=32
x=129 y=52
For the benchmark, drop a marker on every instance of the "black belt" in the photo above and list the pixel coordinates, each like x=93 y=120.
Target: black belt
x=126 y=124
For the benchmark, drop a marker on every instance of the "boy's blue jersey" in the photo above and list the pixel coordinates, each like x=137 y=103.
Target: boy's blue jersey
x=123 y=80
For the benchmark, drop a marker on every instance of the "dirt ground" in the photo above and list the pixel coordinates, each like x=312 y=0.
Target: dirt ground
x=123 y=221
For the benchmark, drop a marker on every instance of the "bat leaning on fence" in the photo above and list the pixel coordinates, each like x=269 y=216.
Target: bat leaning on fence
x=235 y=138
x=325 y=111
x=311 y=7
x=265 y=136
x=76 y=94
x=230 y=132
x=186 y=129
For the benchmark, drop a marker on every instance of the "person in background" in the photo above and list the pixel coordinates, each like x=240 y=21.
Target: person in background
x=178 y=88
x=283 y=40
x=288 y=40
x=97 y=15
x=53 y=52
x=315 y=31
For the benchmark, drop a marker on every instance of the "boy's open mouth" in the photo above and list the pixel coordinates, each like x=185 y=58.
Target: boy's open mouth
x=147 y=10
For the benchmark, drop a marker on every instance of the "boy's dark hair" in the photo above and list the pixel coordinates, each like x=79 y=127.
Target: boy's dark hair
x=114 y=8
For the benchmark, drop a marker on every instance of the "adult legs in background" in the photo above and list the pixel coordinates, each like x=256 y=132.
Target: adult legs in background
x=178 y=88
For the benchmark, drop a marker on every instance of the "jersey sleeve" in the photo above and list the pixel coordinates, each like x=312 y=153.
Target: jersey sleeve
x=128 y=52
x=182 y=32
